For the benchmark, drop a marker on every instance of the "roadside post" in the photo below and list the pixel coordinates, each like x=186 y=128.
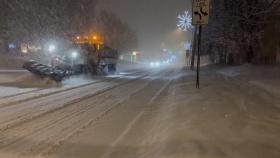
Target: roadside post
x=200 y=16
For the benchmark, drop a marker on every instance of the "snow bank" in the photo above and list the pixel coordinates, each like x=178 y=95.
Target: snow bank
x=29 y=83
x=11 y=62
x=230 y=72
x=234 y=71
x=272 y=86
x=77 y=80
x=4 y=78
x=29 y=80
x=8 y=91
x=266 y=77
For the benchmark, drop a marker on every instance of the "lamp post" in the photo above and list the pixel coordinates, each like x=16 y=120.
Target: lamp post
x=74 y=56
x=51 y=48
x=135 y=56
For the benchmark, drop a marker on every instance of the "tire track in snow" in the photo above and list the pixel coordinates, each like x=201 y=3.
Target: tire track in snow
x=76 y=113
x=25 y=117
x=20 y=98
x=133 y=123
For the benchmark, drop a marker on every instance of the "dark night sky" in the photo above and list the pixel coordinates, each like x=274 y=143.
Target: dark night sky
x=154 y=20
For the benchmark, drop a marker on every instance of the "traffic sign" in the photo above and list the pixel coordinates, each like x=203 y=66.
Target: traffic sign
x=200 y=12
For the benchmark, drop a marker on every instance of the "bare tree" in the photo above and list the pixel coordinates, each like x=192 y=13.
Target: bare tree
x=116 y=33
x=3 y=23
x=237 y=27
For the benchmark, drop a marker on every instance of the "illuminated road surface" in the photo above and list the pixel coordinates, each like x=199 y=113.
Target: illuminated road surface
x=144 y=114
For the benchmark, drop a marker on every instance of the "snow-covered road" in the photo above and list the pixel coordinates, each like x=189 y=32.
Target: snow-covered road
x=142 y=114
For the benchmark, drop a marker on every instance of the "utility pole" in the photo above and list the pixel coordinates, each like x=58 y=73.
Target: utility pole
x=198 y=57
x=194 y=47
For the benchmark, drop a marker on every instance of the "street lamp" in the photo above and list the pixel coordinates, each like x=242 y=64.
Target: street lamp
x=51 y=48
x=134 y=57
x=134 y=53
x=74 y=56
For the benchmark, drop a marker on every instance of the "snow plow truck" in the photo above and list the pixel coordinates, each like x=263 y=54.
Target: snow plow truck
x=84 y=56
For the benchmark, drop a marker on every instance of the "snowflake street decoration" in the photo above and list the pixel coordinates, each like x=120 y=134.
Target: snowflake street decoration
x=185 y=21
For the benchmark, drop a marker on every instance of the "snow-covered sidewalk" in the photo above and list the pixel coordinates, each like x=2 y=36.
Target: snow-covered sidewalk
x=221 y=120
x=272 y=86
x=263 y=77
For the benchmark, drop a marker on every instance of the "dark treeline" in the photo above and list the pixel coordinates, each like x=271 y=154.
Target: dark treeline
x=243 y=31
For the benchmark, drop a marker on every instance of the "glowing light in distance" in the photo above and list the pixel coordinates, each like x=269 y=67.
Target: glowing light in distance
x=51 y=48
x=74 y=55
x=152 y=64
x=157 y=64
